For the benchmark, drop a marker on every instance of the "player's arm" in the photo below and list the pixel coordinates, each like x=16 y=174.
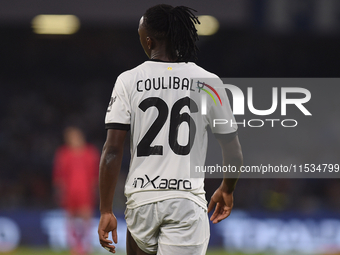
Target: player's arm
x=109 y=168
x=223 y=196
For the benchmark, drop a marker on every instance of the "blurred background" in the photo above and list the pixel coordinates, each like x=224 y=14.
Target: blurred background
x=56 y=72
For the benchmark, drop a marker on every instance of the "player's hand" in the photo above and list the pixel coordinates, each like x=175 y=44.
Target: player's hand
x=107 y=223
x=224 y=203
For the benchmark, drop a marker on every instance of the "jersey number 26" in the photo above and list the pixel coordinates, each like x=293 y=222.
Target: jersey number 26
x=176 y=119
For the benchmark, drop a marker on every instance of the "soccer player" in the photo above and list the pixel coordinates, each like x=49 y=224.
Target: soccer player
x=75 y=177
x=166 y=207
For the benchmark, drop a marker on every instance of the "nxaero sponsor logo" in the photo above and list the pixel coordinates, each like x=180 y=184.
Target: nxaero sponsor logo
x=240 y=102
x=161 y=183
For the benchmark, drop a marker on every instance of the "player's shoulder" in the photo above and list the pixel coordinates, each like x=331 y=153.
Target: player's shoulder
x=92 y=149
x=203 y=72
x=62 y=151
x=150 y=67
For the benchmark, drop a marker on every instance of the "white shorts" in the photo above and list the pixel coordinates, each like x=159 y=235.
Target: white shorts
x=172 y=226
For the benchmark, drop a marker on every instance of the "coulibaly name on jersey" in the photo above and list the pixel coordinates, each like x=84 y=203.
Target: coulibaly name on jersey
x=158 y=183
x=171 y=82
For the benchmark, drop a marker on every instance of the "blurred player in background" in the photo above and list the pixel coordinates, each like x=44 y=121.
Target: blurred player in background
x=75 y=177
x=166 y=208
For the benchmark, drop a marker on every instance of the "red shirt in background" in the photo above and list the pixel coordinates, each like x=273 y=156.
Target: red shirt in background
x=75 y=173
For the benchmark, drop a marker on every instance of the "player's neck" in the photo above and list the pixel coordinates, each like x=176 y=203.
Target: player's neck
x=78 y=147
x=162 y=57
x=160 y=53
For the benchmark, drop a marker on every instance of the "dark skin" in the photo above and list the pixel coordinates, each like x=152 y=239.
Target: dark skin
x=153 y=49
x=109 y=168
x=223 y=197
x=112 y=154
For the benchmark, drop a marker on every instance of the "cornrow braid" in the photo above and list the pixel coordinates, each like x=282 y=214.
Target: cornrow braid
x=175 y=25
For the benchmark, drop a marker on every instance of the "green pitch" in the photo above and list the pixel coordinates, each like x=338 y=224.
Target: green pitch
x=32 y=251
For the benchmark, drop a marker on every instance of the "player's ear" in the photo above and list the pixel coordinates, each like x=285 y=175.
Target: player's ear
x=150 y=43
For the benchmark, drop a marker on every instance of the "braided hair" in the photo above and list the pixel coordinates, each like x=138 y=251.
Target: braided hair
x=175 y=26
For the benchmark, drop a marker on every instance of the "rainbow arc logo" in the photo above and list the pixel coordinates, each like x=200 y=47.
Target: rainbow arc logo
x=201 y=85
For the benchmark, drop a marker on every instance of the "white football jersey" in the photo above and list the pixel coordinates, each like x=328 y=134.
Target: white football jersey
x=161 y=102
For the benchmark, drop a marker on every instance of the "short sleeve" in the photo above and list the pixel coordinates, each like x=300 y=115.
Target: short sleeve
x=220 y=116
x=118 y=114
